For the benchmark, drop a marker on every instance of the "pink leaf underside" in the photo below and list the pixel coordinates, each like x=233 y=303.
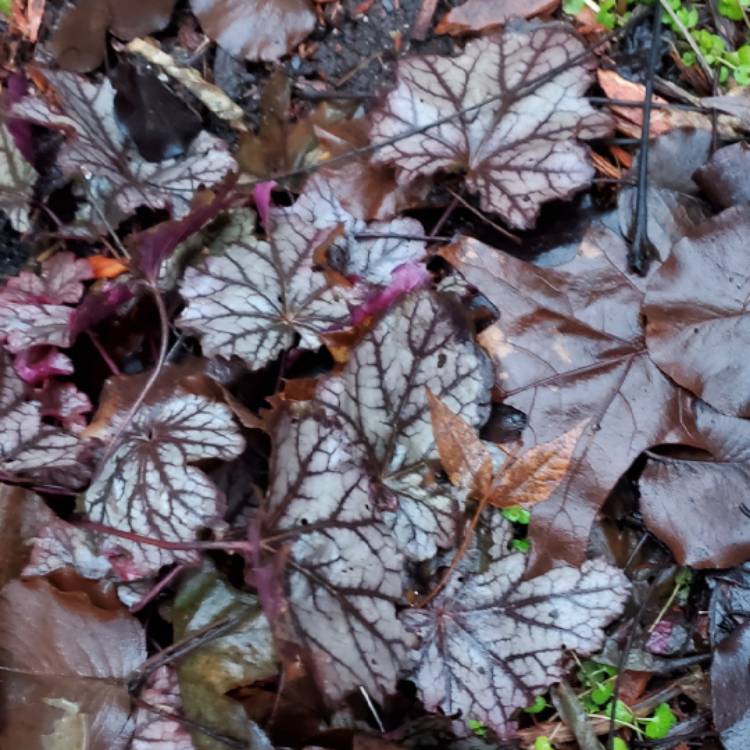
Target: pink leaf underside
x=519 y=150
x=253 y=298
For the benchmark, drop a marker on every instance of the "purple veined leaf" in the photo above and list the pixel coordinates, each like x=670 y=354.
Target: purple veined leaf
x=154 y=731
x=118 y=179
x=30 y=447
x=17 y=178
x=380 y=400
x=343 y=572
x=148 y=487
x=98 y=305
x=257 y=296
x=35 y=310
x=16 y=87
x=519 y=150
x=64 y=403
x=492 y=642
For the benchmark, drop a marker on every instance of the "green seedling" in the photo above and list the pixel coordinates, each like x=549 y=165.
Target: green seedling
x=543 y=743
x=516 y=514
x=479 y=729
x=537 y=706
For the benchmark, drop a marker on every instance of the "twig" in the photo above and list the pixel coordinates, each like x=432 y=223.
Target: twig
x=638 y=259
x=484 y=218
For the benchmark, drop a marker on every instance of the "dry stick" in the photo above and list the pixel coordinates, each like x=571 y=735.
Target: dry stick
x=637 y=257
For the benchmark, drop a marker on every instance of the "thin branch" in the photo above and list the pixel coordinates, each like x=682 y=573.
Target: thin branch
x=638 y=257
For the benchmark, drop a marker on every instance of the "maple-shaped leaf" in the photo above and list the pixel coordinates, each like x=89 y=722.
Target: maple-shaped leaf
x=343 y=571
x=28 y=446
x=518 y=150
x=570 y=346
x=695 y=504
x=491 y=642
x=380 y=400
x=698 y=316
x=258 y=295
x=36 y=310
x=96 y=149
x=64 y=664
x=17 y=178
x=148 y=487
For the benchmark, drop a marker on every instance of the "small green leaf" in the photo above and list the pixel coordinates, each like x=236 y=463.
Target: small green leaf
x=723 y=74
x=517 y=514
x=661 y=722
x=730 y=9
x=743 y=54
x=742 y=75
x=6 y=6
x=537 y=706
x=521 y=545
x=573 y=7
x=623 y=714
x=543 y=743
x=689 y=58
x=479 y=729
x=620 y=744
x=602 y=692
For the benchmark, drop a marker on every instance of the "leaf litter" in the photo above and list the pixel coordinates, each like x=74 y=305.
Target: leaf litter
x=281 y=440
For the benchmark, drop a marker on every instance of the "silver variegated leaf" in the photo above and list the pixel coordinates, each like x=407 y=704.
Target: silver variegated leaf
x=17 y=178
x=148 y=487
x=28 y=447
x=343 y=572
x=518 y=150
x=491 y=642
x=380 y=400
x=97 y=150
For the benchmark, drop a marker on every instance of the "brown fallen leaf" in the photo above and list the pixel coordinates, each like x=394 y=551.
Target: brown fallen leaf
x=462 y=454
x=570 y=345
x=630 y=119
x=255 y=29
x=533 y=477
x=488 y=15
x=64 y=664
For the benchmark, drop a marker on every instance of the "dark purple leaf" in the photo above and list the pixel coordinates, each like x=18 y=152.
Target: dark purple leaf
x=343 y=571
x=64 y=663
x=160 y=124
x=517 y=151
x=380 y=401
x=569 y=346
x=730 y=689
x=698 y=320
x=725 y=178
x=695 y=506
x=98 y=305
x=39 y=363
x=491 y=642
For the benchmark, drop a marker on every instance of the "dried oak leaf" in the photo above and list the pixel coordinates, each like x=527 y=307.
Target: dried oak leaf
x=694 y=505
x=37 y=310
x=17 y=179
x=148 y=486
x=380 y=401
x=254 y=299
x=491 y=642
x=97 y=150
x=698 y=315
x=570 y=346
x=79 y=42
x=520 y=148
x=28 y=446
x=64 y=663
x=343 y=572
x=256 y=29
x=481 y=16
